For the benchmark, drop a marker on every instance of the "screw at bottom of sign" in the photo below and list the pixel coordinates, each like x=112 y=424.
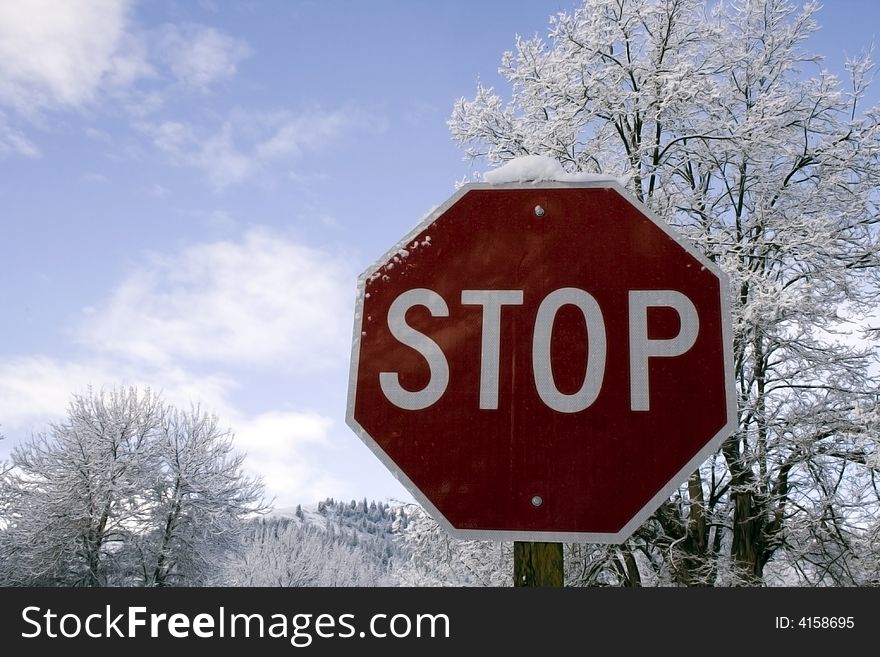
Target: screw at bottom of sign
x=537 y=500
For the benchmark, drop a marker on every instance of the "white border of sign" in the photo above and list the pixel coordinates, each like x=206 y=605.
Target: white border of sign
x=566 y=537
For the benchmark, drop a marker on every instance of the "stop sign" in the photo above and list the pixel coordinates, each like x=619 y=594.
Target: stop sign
x=542 y=362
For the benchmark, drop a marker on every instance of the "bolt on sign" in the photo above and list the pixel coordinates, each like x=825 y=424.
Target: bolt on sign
x=542 y=362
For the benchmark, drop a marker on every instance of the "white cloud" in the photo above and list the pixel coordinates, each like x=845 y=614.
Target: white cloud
x=13 y=141
x=34 y=389
x=37 y=389
x=70 y=54
x=277 y=446
x=280 y=446
x=307 y=132
x=221 y=160
x=262 y=300
x=92 y=54
x=170 y=136
x=216 y=155
x=62 y=53
x=248 y=145
x=198 y=55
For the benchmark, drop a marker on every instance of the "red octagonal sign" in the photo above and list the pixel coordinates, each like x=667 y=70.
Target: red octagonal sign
x=542 y=362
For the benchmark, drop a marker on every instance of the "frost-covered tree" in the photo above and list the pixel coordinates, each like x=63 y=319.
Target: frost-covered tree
x=196 y=502
x=433 y=558
x=282 y=552
x=723 y=125
x=127 y=490
x=74 y=492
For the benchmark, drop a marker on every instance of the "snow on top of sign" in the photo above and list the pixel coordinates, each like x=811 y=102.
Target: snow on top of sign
x=537 y=168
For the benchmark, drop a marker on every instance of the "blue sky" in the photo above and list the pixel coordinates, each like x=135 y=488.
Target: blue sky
x=188 y=191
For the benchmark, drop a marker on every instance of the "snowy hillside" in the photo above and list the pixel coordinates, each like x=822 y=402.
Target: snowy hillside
x=332 y=544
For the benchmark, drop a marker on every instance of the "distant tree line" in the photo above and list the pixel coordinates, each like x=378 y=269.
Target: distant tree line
x=339 y=544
